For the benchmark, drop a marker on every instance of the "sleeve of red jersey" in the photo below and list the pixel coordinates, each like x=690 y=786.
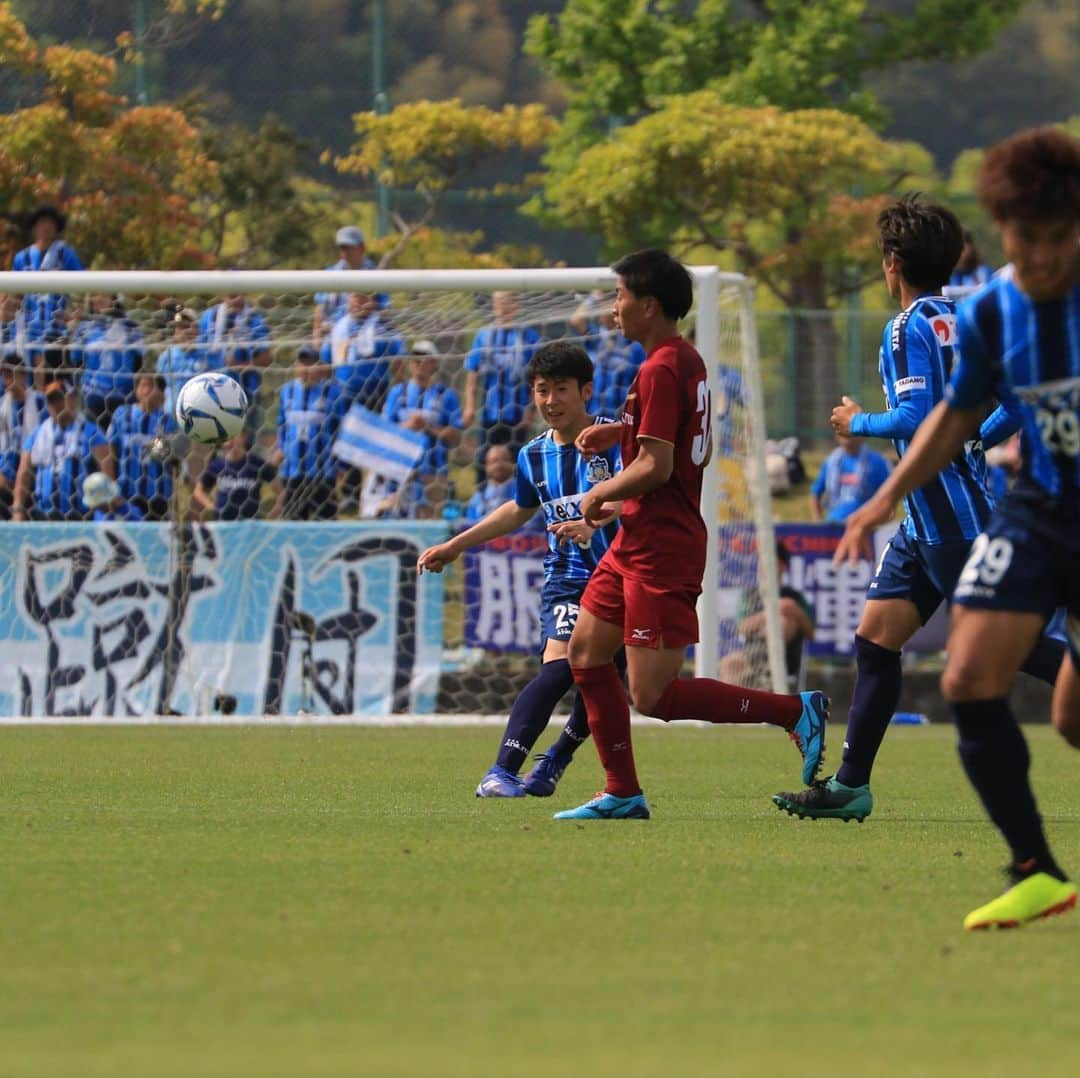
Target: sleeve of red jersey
x=658 y=403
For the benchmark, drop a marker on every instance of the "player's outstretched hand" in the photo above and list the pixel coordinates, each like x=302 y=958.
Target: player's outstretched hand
x=436 y=558
x=572 y=531
x=598 y=438
x=857 y=542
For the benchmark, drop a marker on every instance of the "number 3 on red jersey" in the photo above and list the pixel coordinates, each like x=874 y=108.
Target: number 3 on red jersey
x=702 y=443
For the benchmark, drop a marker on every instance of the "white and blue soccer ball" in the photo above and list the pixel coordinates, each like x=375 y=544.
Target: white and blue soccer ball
x=210 y=408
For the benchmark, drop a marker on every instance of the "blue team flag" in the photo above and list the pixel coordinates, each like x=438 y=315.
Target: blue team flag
x=367 y=440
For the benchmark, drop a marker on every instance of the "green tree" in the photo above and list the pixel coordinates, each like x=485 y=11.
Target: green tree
x=128 y=177
x=768 y=185
x=431 y=147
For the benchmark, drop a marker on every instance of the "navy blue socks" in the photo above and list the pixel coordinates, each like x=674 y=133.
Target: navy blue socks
x=532 y=711
x=877 y=691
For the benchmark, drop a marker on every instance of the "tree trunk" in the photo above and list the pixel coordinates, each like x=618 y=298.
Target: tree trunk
x=819 y=360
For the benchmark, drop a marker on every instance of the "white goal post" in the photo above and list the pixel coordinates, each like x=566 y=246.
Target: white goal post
x=724 y=332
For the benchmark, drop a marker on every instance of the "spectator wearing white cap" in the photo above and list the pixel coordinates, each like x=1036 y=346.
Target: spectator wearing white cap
x=101 y=495
x=330 y=306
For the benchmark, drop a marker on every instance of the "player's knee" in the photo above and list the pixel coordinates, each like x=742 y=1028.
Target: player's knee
x=645 y=698
x=964 y=681
x=1067 y=723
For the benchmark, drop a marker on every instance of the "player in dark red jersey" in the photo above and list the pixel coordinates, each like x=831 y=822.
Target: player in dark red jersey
x=643 y=592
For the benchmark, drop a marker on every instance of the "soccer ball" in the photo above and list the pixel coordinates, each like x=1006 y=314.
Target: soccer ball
x=210 y=408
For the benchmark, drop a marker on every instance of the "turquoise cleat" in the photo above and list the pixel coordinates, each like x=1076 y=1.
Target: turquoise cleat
x=608 y=807
x=809 y=733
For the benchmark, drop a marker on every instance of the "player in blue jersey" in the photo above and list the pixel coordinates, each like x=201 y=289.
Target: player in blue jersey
x=923 y=560
x=1019 y=342
x=552 y=475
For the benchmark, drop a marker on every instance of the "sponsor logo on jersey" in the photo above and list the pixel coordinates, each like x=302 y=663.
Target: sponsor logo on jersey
x=906 y=385
x=597 y=470
x=944 y=327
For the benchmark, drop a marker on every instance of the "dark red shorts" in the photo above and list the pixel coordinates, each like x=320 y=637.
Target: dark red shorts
x=652 y=615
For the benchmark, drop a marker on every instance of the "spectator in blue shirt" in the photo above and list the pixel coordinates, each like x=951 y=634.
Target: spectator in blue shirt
x=101 y=495
x=616 y=358
x=971 y=271
x=56 y=459
x=427 y=405
x=231 y=486
x=310 y=410
x=361 y=346
x=330 y=306
x=22 y=336
x=850 y=476
x=107 y=348
x=239 y=339
x=185 y=357
x=499 y=486
x=22 y=410
x=144 y=481
x=47 y=251
x=495 y=370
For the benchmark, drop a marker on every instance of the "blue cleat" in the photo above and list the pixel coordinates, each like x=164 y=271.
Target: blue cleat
x=499 y=782
x=544 y=777
x=809 y=733
x=608 y=807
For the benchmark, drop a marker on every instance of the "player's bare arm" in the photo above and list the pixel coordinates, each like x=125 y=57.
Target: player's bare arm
x=651 y=468
x=842 y=413
x=578 y=531
x=598 y=438
x=507 y=518
x=939 y=438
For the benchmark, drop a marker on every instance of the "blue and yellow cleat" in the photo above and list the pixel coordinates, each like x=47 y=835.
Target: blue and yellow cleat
x=608 y=807
x=499 y=782
x=1035 y=896
x=809 y=733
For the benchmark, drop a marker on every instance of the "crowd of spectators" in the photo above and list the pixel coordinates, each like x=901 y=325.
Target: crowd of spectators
x=87 y=426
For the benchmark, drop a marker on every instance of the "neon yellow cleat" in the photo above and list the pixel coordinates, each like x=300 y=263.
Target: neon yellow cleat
x=1040 y=895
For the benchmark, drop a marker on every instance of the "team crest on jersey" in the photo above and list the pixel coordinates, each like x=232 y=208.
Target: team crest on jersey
x=597 y=470
x=944 y=327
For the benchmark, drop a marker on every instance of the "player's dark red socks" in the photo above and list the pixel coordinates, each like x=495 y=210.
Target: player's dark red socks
x=995 y=757
x=576 y=731
x=609 y=721
x=877 y=692
x=705 y=700
x=532 y=711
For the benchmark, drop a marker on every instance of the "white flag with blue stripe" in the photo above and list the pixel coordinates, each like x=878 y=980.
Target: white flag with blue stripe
x=367 y=440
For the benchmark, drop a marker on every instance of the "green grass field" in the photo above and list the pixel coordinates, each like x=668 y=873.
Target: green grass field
x=335 y=902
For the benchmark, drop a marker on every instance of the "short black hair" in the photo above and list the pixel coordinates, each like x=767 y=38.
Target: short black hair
x=926 y=238
x=655 y=273
x=160 y=381
x=560 y=359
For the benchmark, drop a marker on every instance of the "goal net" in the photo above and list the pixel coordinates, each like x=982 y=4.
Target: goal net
x=142 y=574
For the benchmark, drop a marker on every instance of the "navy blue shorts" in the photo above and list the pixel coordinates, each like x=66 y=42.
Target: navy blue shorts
x=560 y=601
x=1027 y=561
x=923 y=574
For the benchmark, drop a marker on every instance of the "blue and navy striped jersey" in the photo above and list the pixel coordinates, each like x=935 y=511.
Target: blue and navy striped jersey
x=360 y=351
x=179 y=364
x=500 y=354
x=130 y=435
x=555 y=476
x=62 y=458
x=615 y=362
x=309 y=417
x=59 y=256
x=109 y=351
x=1027 y=354
x=441 y=408
x=237 y=337
x=918 y=349
x=18 y=419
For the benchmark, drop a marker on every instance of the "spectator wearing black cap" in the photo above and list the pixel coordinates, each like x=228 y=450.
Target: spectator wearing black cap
x=310 y=410
x=22 y=410
x=231 y=486
x=796 y=627
x=56 y=459
x=185 y=357
x=107 y=350
x=47 y=251
x=330 y=306
x=145 y=479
